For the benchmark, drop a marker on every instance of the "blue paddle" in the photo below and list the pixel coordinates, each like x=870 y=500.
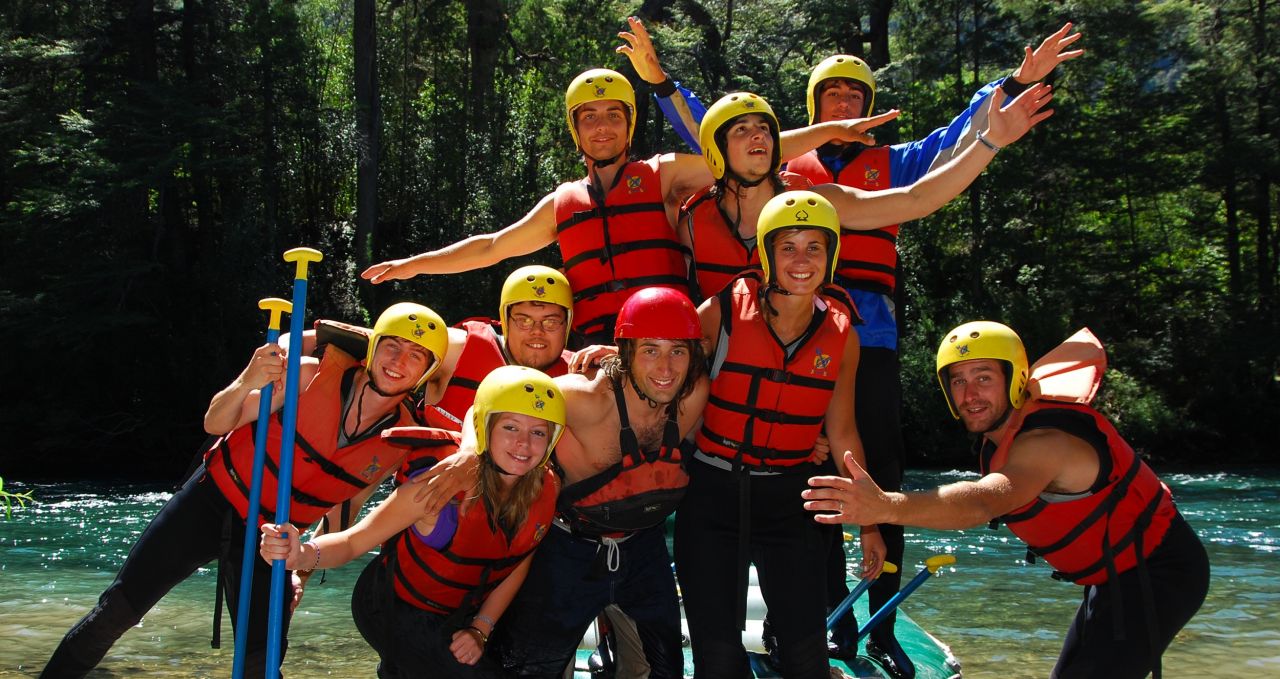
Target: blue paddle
x=301 y=257
x=843 y=607
x=931 y=566
x=277 y=307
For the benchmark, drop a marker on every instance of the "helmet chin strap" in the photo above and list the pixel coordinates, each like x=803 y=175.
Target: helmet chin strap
x=643 y=396
x=598 y=163
x=774 y=287
x=489 y=459
x=372 y=384
x=1000 y=422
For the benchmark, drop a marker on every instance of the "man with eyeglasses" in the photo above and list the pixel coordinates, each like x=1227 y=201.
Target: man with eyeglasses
x=534 y=315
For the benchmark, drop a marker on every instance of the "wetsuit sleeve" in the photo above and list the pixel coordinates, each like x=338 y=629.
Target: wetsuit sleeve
x=684 y=111
x=910 y=161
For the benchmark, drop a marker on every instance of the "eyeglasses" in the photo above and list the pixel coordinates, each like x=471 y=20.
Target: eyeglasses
x=549 y=324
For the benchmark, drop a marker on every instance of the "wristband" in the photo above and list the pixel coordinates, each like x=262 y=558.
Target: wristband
x=1013 y=88
x=317 y=562
x=484 y=638
x=485 y=619
x=867 y=530
x=982 y=139
x=665 y=88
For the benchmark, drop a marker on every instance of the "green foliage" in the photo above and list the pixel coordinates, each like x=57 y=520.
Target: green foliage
x=158 y=157
x=9 y=498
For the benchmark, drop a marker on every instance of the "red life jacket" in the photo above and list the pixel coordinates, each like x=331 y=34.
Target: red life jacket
x=718 y=254
x=324 y=473
x=476 y=560
x=868 y=259
x=1090 y=539
x=639 y=491
x=765 y=411
x=481 y=353
x=614 y=246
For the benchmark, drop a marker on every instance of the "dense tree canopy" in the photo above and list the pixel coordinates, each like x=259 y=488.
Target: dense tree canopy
x=159 y=155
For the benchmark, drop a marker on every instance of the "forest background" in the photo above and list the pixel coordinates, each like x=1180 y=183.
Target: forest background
x=159 y=155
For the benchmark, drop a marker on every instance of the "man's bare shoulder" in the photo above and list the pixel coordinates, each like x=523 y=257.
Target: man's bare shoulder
x=585 y=397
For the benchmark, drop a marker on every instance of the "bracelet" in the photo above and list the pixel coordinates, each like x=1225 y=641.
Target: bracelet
x=484 y=638
x=485 y=619
x=665 y=88
x=982 y=139
x=317 y=563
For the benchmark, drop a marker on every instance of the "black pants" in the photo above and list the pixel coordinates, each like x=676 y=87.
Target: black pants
x=187 y=534
x=788 y=549
x=1179 y=574
x=878 y=408
x=410 y=641
x=569 y=584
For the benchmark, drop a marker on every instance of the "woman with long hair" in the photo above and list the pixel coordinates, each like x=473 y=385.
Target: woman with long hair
x=429 y=601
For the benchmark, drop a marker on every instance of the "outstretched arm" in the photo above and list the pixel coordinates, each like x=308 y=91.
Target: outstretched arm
x=797 y=142
x=396 y=513
x=872 y=209
x=534 y=231
x=679 y=105
x=910 y=161
x=1038 y=460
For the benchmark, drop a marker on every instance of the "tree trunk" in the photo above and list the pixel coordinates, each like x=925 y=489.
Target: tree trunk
x=1262 y=181
x=368 y=122
x=486 y=24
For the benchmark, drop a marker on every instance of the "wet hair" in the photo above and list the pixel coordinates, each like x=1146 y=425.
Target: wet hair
x=618 y=367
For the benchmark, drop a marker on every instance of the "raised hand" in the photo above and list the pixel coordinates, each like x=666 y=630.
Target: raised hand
x=639 y=49
x=1039 y=63
x=1007 y=124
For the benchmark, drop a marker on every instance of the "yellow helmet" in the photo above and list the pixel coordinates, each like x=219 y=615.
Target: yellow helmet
x=845 y=67
x=596 y=85
x=535 y=283
x=415 y=323
x=517 y=389
x=797 y=210
x=985 y=339
x=724 y=112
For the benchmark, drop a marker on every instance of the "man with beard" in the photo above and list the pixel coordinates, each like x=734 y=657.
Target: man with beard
x=1058 y=473
x=344 y=406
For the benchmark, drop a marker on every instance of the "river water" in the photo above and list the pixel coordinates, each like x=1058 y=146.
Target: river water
x=1002 y=617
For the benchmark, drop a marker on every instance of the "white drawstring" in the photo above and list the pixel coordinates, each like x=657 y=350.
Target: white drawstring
x=613 y=558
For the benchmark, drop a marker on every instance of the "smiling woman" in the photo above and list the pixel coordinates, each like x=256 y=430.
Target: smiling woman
x=784 y=362
x=428 y=604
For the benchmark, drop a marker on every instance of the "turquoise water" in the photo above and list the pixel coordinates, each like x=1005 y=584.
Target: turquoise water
x=1001 y=617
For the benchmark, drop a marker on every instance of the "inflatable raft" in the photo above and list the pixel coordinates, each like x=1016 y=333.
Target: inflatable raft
x=933 y=659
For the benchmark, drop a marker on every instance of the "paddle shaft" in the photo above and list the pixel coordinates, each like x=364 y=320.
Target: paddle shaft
x=892 y=603
x=276 y=307
x=284 y=476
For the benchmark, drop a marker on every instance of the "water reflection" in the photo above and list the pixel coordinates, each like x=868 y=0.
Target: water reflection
x=1001 y=616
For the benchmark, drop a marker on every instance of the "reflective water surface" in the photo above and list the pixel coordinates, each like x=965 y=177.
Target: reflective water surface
x=1001 y=617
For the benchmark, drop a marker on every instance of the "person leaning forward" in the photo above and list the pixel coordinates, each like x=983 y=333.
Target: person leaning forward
x=344 y=406
x=1062 y=478
x=615 y=226
x=623 y=469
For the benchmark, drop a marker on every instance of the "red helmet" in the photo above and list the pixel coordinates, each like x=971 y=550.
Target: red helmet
x=658 y=313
